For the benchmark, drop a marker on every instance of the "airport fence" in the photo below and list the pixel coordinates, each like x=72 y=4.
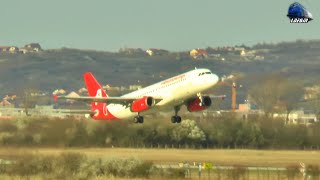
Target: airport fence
x=74 y=164
x=210 y=171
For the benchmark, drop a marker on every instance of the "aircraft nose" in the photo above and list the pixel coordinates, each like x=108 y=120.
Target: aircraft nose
x=214 y=79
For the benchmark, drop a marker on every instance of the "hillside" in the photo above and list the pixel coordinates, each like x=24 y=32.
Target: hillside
x=63 y=68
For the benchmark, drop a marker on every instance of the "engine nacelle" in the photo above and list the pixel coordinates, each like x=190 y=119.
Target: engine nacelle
x=198 y=105
x=142 y=104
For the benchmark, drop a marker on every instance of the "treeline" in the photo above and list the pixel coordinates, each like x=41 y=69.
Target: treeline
x=222 y=132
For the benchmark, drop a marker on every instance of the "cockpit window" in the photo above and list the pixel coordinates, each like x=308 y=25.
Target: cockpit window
x=203 y=73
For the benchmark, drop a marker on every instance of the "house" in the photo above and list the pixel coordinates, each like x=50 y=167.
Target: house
x=10 y=49
x=4 y=48
x=311 y=92
x=134 y=87
x=245 y=53
x=299 y=117
x=159 y=52
x=13 y=49
x=59 y=91
x=198 y=53
x=111 y=88
x=132 y=51
x=32 y=47
x=72 y=94
x=11 y=97
x=5 y=103
x=244 y=107
x=82 y=90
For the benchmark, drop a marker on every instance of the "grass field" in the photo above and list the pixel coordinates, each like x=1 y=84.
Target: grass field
x=271 y=158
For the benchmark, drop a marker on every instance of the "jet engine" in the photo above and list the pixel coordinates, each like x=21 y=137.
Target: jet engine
x=199 y=104
x=142 y=104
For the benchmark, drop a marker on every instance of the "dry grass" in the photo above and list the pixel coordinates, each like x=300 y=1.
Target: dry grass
x=277 y=158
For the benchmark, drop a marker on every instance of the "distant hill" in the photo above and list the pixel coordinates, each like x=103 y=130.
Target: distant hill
x=63 y=68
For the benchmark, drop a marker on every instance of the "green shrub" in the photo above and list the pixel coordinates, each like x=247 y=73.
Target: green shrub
x=8 y=126
x=131 y=167
x=76 y=166
x=142 y=169
x=27 y=164
x=70 y=162
x=168 y=173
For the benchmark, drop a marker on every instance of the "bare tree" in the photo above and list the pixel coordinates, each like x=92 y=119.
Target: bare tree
x=274 y=93
x=28 y=100
x=266 y=93
x=292 y=92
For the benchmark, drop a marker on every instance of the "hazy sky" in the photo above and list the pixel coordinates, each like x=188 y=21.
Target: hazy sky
x=169 y=24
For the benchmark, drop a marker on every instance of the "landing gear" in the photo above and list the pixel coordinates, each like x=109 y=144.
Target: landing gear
x=138 y=119
x=176 y=118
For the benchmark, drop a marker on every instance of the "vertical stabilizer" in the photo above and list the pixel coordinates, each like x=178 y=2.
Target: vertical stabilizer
x=94 y=88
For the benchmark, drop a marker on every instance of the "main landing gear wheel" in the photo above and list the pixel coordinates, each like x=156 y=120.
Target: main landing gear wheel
x=176 y=119
x=138 y=119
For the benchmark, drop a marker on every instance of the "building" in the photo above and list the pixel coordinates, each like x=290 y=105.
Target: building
x=299 y=117
x=72 y=94
x=59 y=91
x=134 y=87
x=4 y=48
x=246 y=53
x=10 y=49
x=83 y=91
x=132 y=51
x=198 y=53
x=156 y=52
x=41 y=111
x=32 y=47
x=6 y=103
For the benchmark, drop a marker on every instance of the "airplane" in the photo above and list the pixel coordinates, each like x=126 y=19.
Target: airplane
x=184 y=89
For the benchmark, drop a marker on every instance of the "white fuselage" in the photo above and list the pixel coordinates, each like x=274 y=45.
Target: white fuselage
x=173 y=91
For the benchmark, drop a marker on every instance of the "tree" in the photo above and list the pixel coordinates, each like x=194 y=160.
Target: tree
x=188 y=130
x=266 y=93
x=273 y=93
x=28 y=100
x=291 y=95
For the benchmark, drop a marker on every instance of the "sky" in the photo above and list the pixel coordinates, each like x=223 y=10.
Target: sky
x=174 y=25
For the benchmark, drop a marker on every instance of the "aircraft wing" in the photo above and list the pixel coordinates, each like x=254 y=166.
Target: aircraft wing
x=109 y=100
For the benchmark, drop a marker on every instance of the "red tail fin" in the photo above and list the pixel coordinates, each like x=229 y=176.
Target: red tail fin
x=94 y=88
